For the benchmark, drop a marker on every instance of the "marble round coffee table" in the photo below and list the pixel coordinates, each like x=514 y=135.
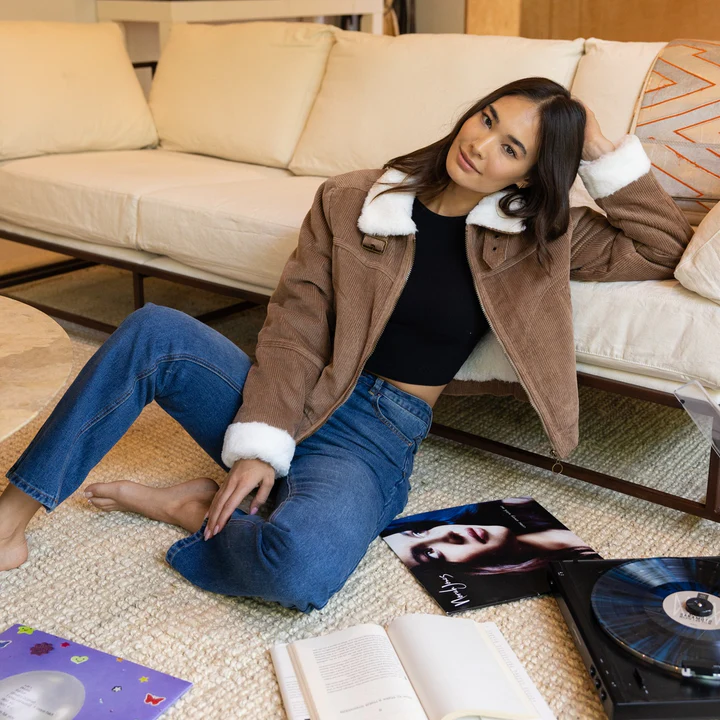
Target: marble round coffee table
x=35 y=361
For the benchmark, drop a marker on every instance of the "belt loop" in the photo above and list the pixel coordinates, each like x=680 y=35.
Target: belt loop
x=377 y=385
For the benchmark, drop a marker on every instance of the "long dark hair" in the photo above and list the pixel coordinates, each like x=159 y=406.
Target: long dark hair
x=544 y=203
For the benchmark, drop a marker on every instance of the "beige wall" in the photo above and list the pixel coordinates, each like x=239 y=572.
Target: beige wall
x=435 y=16
x=440 y=16
x=59 y=10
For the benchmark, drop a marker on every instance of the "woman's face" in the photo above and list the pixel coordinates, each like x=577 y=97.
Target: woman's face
x=496 y=147
x=450 y=544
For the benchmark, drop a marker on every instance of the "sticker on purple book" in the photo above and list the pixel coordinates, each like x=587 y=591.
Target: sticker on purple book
x=45 y=677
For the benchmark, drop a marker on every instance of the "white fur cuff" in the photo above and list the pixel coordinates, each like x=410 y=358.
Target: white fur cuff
x=616 y=169
x=259 y=440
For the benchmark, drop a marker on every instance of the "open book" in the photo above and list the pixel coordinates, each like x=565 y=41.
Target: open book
x=424 y=667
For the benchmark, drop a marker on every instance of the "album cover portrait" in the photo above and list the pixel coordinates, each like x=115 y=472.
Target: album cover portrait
x=483 y=553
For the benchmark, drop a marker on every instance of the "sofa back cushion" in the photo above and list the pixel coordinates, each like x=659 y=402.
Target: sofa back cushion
x=68 y=87
x=384 y=96
x=241 y=91
x=610 y=79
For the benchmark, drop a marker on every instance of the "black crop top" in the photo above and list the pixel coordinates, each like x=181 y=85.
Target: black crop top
x=438 y=319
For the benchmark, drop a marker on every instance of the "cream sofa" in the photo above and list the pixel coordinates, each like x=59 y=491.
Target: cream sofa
x=209 y=181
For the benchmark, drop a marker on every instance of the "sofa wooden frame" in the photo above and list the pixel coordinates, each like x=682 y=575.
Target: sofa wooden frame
x=709 y=508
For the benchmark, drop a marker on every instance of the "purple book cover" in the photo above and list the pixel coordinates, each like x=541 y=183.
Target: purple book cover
x=44 y=677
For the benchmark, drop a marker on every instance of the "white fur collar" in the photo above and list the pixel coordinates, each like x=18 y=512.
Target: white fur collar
x=391 y=214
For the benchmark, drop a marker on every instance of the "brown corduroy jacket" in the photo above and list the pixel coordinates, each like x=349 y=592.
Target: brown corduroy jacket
x=355 y=252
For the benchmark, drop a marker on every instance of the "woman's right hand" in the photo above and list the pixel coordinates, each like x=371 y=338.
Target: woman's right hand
x=244 y=476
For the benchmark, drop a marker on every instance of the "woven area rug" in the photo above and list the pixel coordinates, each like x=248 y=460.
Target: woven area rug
x=101 y=579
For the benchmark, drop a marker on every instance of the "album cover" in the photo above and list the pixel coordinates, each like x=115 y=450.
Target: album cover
x=485 y=553
x=43 y=676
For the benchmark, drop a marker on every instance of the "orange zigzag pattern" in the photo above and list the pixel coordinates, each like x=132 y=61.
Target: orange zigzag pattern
x=679 y=123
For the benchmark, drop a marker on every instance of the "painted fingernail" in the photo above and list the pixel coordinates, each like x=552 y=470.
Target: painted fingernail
x=88 y=493
x=216 y=530
x=253 y=511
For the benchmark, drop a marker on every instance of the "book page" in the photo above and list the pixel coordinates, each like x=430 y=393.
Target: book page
x=293 y=700
x=354 y=674
x=456 y=671
x=518 y=671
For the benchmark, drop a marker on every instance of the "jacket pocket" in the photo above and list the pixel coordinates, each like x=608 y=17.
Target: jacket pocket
x=373 y=254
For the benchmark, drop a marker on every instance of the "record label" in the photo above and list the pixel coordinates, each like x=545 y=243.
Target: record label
x=676 y=606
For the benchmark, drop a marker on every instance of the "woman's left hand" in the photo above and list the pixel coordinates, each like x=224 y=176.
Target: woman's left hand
x=595 y=144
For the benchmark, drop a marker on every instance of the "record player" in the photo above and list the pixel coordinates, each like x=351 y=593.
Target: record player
x=648 y=632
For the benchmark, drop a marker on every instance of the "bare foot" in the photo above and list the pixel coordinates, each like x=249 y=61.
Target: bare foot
x=185 y=504
x=16 y=510
x=13 y=551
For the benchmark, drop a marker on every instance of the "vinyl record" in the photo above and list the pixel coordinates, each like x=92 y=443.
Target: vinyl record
x=664 y=610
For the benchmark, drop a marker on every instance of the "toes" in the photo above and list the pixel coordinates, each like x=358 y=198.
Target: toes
x=102 y=503
x=101 y=490
x=95 y=490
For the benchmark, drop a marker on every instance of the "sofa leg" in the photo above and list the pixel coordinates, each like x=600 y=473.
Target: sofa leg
x=138 y=290
x=712 y=497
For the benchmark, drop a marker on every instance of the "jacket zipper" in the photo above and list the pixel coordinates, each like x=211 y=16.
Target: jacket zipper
x=349 y=389
x=502 y=347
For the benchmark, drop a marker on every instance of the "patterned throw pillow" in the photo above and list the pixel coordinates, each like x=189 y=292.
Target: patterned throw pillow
x=678 y=122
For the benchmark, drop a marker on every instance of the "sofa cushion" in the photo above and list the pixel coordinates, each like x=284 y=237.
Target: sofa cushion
x=644 y=381
x=655 y=328
x=385 y=96
x=68 y=87
x=94 y=196
x=699 y=267
x=241 y=92
x=610 y=78
x=243 y=231
x=80 y=248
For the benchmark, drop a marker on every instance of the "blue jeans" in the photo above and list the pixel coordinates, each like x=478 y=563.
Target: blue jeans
x=346 y=482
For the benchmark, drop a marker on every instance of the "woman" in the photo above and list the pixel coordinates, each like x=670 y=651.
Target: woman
x=356 y=349
x=511 y=535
